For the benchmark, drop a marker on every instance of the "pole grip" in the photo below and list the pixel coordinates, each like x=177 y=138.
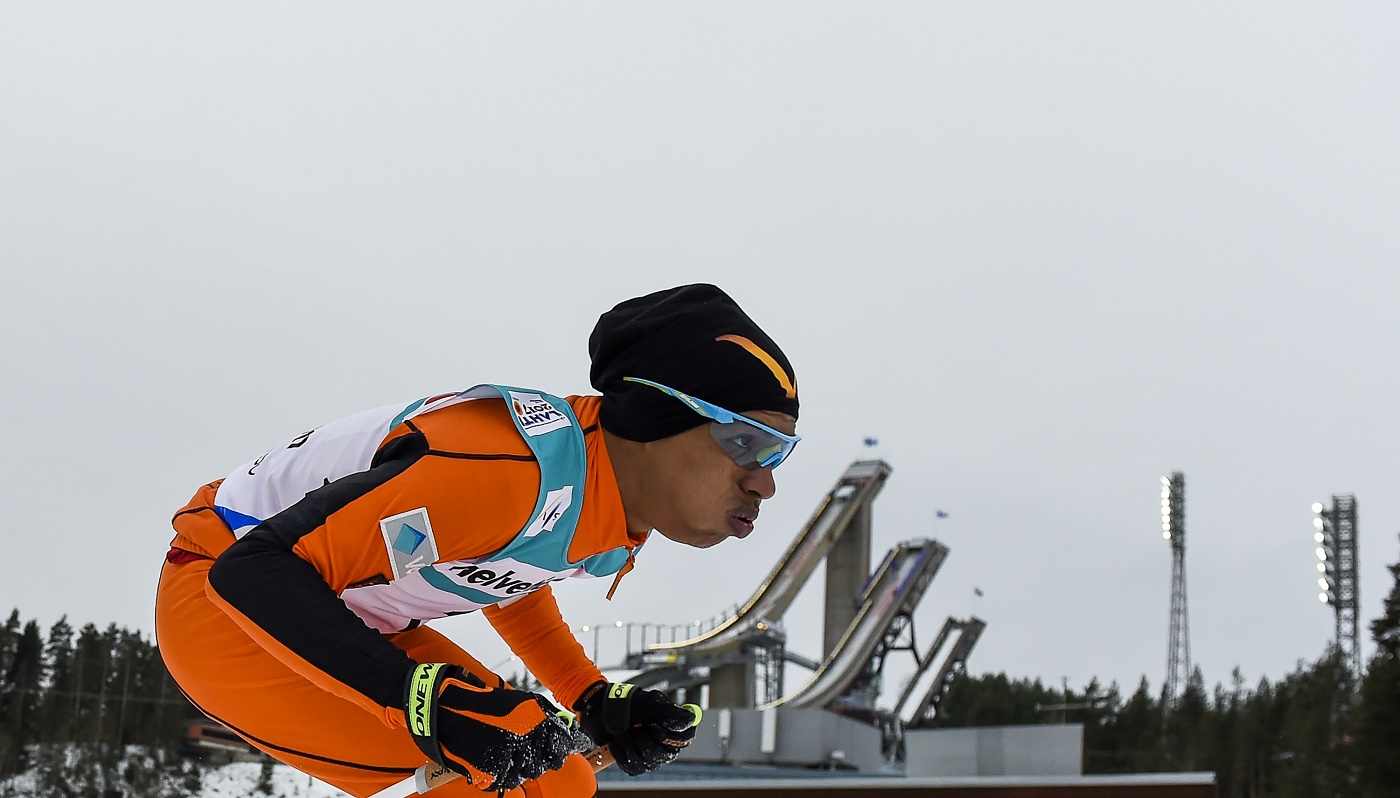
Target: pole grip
x=431 y=776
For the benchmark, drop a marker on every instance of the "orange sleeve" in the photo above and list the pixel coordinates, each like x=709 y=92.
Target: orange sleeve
x=534 y=629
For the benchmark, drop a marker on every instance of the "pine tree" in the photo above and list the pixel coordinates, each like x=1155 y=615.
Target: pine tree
x=23 y=682
x=9 y=635
x=10 y=744
x=264 y=785
x=994 y=700
x=1102 y=749
x=1184 y=724
x=1313 y=729
x=90 y=665
x=56 y=709
x=1377 y=750
x=1228 y=759
x=1385 y=630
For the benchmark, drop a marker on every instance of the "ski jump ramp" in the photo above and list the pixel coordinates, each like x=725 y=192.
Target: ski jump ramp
x=894 y=588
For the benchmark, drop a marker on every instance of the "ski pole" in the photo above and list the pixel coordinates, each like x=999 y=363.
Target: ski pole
x=430 y=776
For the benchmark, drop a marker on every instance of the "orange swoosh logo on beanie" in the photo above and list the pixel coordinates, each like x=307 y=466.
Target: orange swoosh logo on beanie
x=766 y=359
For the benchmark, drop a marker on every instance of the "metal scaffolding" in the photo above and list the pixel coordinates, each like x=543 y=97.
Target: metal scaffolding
x=1179 y=638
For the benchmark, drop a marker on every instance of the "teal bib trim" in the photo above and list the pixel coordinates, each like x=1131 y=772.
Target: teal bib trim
x=552 y=431
x=407 y=411
x=607 y=563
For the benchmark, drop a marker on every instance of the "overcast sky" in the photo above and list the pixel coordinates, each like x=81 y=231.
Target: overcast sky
x=1044 y=252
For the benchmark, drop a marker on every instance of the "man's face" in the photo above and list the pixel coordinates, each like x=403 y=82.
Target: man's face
x=699 y=496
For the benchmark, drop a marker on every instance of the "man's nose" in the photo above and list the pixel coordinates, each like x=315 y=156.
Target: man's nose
x=759 y=482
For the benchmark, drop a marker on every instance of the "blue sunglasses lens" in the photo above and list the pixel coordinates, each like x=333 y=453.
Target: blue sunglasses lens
x=749 y=446
x=746 y=443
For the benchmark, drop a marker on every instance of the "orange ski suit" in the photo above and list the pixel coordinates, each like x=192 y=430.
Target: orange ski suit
x=267 y=647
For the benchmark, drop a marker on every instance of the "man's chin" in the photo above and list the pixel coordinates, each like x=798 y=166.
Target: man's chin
x=708 y=538
x=697 y=538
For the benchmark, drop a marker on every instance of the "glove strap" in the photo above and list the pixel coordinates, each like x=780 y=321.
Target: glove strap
x=420 y=706
x=617 y=708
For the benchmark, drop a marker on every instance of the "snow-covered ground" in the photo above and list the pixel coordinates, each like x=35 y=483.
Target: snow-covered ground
x=239 y=779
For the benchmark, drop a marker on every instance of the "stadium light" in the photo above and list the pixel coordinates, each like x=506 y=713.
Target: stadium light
x=1335 y=525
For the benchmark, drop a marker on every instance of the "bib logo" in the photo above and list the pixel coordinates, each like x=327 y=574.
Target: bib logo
x=486 y=579
x=536 y=415
x=409 y=539
x=555 y=503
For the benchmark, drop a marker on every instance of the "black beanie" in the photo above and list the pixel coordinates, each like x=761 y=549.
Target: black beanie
x=695 y=339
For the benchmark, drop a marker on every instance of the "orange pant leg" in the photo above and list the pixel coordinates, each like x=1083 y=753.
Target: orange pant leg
x=238 y=683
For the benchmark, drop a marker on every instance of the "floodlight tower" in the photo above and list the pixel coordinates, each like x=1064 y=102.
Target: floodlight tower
x=1174 y=530
x=1336 y=551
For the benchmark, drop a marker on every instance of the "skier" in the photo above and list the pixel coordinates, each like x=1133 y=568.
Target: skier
x=292 y=599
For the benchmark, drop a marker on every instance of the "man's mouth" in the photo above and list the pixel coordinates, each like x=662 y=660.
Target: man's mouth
x=741 y=521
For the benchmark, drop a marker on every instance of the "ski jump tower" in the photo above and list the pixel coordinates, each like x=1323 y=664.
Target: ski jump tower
x=1179 y=639
x=869 y=613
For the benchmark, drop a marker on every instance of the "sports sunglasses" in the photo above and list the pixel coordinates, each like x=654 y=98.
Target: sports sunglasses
x=750 y=444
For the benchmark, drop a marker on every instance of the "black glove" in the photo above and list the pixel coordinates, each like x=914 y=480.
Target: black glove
x=498 y=739
x=643 y=728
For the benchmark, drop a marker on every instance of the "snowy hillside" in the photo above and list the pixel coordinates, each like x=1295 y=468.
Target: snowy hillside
x=239 y=779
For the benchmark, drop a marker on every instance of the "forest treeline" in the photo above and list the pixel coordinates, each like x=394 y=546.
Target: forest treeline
x=86 y=685
x=1315 y=733
x=92 y=712
x=89 y=712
